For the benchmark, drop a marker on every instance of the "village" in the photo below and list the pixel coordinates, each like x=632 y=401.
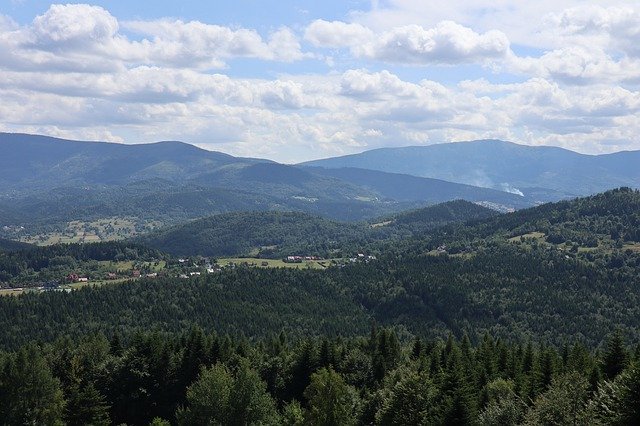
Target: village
x=182 y=268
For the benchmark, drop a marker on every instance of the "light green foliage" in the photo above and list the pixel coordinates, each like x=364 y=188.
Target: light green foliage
x=331 y=401
x=562 y=404
x=411 y=400
x=504 y=407
x=220 y=396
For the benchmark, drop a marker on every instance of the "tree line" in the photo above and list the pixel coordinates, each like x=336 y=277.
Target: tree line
x=199 y=378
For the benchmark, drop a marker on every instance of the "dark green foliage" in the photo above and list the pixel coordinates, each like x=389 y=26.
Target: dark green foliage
x=29 y=394
x=40 y=264
x=283 y=233
x=10 y=245
x=83 y=382
x=254 y=302
x=278 y=234
x=616 y=356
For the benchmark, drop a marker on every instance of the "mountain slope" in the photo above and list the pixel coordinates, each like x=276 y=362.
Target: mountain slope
x=406 y=187
x=45 y=179
x=285 y=233
x=44 y=161
x=278 y=234
x=548 y=172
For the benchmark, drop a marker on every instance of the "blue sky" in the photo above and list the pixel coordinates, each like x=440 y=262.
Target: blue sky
x=298 y=80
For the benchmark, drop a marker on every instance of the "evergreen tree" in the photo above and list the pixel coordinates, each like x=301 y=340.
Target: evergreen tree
x=562 y=404
x=86 y=406
x=29 y=394
x=616 y=357
x=411 y=400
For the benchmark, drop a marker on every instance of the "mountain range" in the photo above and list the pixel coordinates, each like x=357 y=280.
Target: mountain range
x=44 y=178
x=549 y=173
x=56 y=180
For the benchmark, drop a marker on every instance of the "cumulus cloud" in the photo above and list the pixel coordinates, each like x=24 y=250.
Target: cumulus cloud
x=616 y=27
x=85 y=38
x=77 y=71
x=323 y=33
x=446 y=43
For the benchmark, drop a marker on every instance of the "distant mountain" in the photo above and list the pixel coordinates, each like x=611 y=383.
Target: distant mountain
x=30 y=160
x=545 y=173
x=404 y=187
x=44 y=179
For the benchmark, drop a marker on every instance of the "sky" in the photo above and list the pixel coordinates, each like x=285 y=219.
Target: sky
x=300 y=80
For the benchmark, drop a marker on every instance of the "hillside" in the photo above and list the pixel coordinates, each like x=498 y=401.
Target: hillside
x=279 y=234
x=546 y=173
x=265 y=233
x=606 y=221
x=10 y=245
x=53 y=181
x=482 y=276
x=404 y=187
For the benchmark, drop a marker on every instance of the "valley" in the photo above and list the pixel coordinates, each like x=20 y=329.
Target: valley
x=288 y=261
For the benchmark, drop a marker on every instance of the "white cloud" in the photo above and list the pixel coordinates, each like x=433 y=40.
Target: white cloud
x=446 y=43
x=614 y=27
x=322 y=33
x=76 y=71
x=85 y=38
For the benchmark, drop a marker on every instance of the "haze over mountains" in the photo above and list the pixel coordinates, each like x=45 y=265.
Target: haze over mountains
x=65 y=180
x=550 y=172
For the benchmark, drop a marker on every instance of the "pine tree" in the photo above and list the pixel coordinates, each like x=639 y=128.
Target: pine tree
x=616 y=357
x=29 y=394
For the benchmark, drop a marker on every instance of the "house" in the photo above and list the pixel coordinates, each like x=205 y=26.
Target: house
x=264 y=263
x=112 y=276
x=135 y=273
x=72 y=278
x=194 y=274
x=152 y=275
x=83 y=279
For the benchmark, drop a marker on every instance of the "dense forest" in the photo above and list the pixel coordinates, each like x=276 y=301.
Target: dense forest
x=196 y=378
x=27 y=266
x=278 y=234
x=519 y=318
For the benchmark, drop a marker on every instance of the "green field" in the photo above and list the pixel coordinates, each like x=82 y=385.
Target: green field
x=107 y=229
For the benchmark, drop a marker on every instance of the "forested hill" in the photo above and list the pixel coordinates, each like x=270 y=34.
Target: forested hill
x=425 y=219
x=501 y=275
x=609 y=220
x=277 y=234
x=270 y=233
x=10 y=245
